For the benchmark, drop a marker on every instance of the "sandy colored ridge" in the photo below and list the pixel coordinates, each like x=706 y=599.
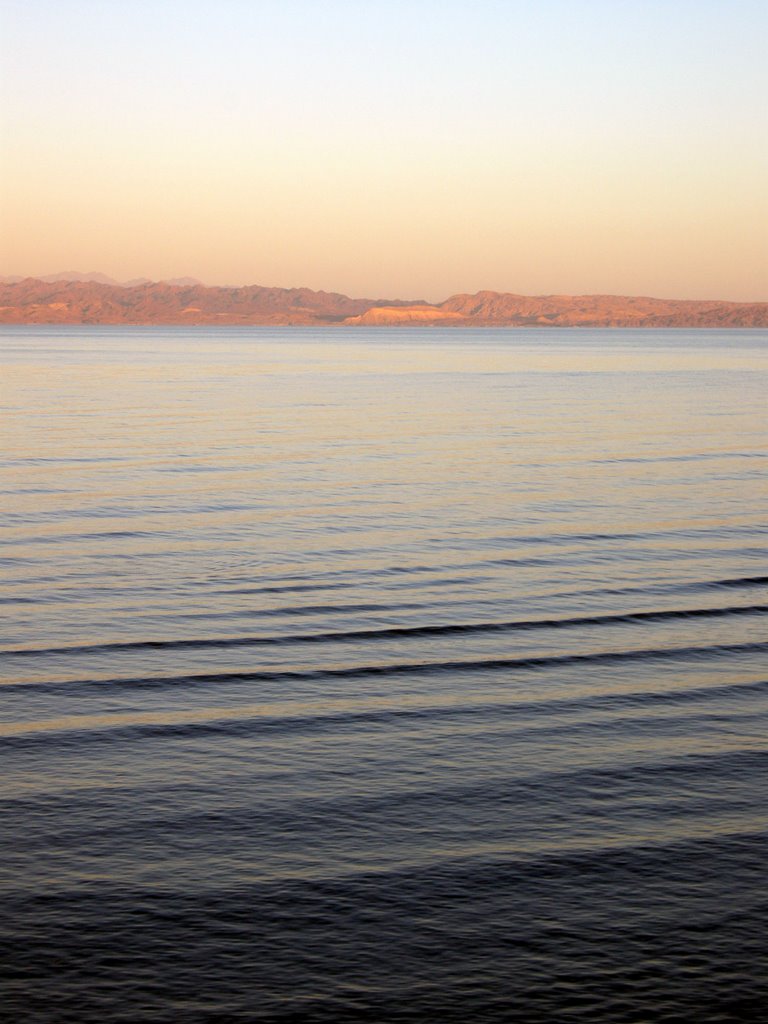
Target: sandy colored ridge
x=91 y=300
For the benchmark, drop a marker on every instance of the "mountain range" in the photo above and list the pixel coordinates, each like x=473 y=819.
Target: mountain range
x=75 y=298
x=95 y=276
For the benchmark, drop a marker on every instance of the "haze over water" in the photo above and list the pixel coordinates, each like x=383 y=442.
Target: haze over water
x=395 y=675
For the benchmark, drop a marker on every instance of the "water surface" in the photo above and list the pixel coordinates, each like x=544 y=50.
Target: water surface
x=387 y=675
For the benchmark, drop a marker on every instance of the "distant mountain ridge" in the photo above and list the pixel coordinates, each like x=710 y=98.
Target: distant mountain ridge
x=93 y=298
x=504 y=309
x=97 y=278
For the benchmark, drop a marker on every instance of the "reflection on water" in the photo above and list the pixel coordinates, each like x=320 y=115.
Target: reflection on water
x=399 y=675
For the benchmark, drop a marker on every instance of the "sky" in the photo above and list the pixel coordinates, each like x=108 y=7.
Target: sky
x=409 y=148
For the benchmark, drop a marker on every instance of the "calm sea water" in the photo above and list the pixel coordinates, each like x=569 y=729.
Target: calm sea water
x=414 y=676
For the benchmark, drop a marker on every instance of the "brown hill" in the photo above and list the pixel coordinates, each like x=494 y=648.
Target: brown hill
x=497 y=308
x=90 y=302
x=34 y=300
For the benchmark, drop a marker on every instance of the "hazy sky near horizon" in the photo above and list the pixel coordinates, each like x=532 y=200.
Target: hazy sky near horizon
x=412 y=148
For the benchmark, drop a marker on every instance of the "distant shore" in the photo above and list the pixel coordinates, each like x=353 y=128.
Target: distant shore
x=83 y=302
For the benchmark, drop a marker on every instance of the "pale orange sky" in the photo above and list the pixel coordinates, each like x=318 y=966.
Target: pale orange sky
x=410 y=150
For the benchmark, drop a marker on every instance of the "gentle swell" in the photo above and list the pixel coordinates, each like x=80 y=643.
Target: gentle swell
x=399 y=632
x=423 y=668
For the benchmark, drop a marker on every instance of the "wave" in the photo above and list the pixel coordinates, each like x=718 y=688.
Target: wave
x=397 y=632
x=539 y=720
x=422 y=668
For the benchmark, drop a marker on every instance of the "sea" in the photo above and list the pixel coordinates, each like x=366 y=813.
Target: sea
x=383 y=675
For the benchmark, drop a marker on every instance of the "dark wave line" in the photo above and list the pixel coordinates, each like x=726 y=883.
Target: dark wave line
x=305 y=609
x=738 y=581
x=638 y=701
x=607 y=535
x=676 y=588
x=397 y=632
x=288 y=589
x=694 y=586
x=278 y=725
x=103 y=535
x=695 y=457
x=656 y=589
x=423 y=668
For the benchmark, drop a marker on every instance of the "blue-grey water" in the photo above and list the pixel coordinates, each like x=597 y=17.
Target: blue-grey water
x=383 y=676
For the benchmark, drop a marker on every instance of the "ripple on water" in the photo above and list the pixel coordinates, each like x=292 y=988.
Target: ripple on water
x=352 y=681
